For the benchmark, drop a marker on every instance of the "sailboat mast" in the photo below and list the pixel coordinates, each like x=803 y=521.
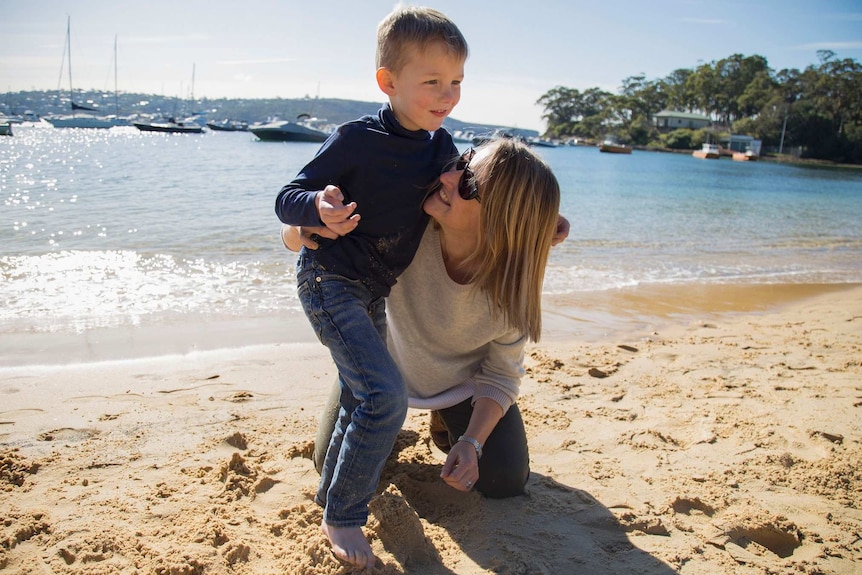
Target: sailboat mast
x=69 y=54
x=62 y=66
x=116 y=94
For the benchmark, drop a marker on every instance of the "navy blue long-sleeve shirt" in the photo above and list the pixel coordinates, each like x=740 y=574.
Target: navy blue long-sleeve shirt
x=388 y=171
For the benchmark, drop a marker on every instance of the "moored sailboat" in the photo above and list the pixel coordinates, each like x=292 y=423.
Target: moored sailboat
x=86 y=116
x=171 y=125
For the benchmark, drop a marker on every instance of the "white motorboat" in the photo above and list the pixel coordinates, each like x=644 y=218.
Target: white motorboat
x=305 y=129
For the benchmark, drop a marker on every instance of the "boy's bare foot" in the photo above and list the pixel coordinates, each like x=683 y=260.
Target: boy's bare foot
x=349 y=544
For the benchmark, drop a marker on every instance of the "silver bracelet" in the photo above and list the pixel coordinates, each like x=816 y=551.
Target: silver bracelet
x=475 y=443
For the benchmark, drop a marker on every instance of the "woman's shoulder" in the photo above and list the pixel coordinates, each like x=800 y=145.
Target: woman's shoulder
x=429 y=256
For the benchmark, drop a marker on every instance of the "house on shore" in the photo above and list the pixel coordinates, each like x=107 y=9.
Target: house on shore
x=673 y=120
x=742 y=143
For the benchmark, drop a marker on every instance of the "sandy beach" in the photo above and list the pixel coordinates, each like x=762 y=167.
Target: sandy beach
x=725 y=439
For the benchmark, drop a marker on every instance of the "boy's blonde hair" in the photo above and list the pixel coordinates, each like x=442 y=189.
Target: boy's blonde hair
x=520 y=199
x=415 y=27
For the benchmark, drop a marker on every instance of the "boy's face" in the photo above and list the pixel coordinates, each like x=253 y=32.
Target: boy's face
x=426 y=89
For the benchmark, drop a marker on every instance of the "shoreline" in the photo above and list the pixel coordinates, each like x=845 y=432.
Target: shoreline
x=623 y=313
x=638 y=311
x=769 y=157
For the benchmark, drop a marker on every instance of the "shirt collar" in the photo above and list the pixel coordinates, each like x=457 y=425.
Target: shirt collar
x=388 y=119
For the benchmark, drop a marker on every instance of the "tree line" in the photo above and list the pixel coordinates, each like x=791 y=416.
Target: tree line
x=817 y=111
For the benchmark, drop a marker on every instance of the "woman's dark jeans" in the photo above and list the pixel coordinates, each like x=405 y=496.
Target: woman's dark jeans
x=505 y=464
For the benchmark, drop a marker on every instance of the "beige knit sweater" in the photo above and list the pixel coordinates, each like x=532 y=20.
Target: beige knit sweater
x=445 y=339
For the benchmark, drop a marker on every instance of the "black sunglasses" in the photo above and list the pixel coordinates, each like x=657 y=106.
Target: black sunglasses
x=467 y=187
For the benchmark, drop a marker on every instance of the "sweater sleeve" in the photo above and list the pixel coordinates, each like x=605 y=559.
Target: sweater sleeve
x=295 y=204
x=499 y=376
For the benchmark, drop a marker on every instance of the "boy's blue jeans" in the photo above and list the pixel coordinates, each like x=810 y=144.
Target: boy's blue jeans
x=352 y=324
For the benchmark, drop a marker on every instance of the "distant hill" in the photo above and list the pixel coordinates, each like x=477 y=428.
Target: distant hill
x=335 y=110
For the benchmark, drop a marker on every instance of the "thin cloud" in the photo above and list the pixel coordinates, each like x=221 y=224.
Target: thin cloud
x=258 y=61
x=830 y=46
x=165 y=39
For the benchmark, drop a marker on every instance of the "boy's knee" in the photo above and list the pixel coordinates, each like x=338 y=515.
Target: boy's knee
x=391 y=405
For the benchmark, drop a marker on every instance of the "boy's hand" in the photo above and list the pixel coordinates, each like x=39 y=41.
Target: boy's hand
x=333 y=213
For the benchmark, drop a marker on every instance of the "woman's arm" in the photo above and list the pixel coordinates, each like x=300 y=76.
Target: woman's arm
x=500 y=371
x=294 y=237
x=290 y=237
x=497 y=384
x=461 y=470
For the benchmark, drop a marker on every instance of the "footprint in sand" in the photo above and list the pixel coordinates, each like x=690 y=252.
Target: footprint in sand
x=759 y=543
x=686 y=505
x=67 y=434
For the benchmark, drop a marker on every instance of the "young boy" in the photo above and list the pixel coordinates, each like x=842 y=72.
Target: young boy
x=381 y=166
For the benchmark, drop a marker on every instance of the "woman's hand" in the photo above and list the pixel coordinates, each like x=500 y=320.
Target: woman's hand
x=461 y=470
x=294 y=237
x=562 y=231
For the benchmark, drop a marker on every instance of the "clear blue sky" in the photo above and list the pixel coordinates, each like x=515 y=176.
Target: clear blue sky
x=293 y=48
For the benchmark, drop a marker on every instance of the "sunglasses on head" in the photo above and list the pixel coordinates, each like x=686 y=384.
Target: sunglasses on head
x=467 y=187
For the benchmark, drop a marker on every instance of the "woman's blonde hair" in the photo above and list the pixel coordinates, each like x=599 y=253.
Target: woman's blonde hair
x=520 y=199
x=415 y=27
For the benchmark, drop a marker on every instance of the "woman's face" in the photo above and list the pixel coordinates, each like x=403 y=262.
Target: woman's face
x=446 y=205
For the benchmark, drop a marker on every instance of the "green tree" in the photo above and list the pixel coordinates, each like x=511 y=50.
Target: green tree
x=824 y=115
x=678 y=96
x=680 y=139
x=570 y=112
x=735 y=74
x=818 y=110
x=702 y=87
x=561 y=106
x=757 y=94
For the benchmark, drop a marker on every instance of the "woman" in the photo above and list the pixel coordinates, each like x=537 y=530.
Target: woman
x=460 y=315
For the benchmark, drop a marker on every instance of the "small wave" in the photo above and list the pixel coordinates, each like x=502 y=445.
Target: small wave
x=79 y=290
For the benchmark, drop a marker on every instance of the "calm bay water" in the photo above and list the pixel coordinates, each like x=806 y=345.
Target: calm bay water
x=122 y=229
